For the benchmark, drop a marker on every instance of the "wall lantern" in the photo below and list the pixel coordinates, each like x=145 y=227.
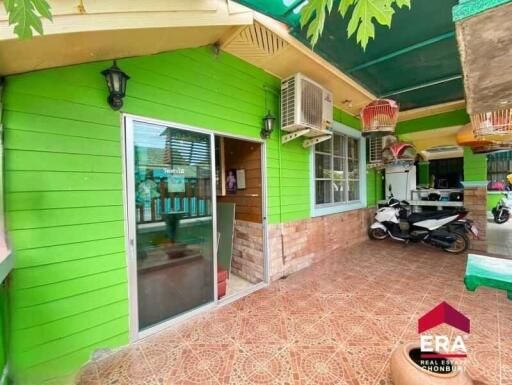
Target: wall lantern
x=116 y=82
x=268 y=125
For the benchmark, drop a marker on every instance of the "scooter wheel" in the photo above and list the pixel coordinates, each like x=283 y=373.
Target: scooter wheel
x=501 y=216
x=460 y=245
x=377 y=234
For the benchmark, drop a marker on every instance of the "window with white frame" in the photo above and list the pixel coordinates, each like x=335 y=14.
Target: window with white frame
x=337 y=171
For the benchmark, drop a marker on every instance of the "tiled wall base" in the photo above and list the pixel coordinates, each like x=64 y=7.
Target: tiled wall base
x=248 y=251
x=475 y=201
x=296 y=245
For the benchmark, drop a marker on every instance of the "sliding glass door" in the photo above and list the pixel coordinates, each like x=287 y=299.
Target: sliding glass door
x=171 y=222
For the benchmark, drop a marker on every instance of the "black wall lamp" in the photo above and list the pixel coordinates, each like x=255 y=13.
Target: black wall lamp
x=269 y=120
x=268 y=125
x=116 y=82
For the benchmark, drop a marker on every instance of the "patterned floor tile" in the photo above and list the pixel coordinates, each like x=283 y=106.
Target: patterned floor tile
x=367 y=362
x=263 y=329
x=483 y=363
x=208 y=364
x=333 y=323
x=320 y=365
x=127 y=367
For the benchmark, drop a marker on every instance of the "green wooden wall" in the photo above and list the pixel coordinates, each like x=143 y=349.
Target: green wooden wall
x=374 y=190
x=493 y=198
x=64 y=201
x=424 y=173
x=3 y=330
x=445 y=119
x=475 y=166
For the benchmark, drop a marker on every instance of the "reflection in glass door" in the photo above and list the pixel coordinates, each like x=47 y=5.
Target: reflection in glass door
x=171 y=205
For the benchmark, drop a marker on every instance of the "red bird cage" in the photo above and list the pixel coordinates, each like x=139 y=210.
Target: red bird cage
x=380 y=117
x=399 y=152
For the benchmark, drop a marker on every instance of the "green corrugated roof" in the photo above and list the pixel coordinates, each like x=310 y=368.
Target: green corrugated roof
x=416 y=62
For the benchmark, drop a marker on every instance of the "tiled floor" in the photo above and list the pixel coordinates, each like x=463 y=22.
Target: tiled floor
x=499 y=238
x=237 y=284
x=334 y=323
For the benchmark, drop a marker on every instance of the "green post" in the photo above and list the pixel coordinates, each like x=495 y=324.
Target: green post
x=475 y=167
x=424 y=173
x=374 y=191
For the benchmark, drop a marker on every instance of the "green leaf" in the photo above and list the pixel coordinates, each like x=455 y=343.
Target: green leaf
x=26 y=16
x=362 y=20
x=344 y=6
x=43 y=8
x=403 y=3
x=314 y=13
x=8 y=5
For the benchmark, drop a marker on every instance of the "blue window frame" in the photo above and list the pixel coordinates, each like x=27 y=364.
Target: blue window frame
x=338 y=172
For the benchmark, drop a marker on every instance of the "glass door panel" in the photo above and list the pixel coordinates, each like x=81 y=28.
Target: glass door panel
x=174 y=221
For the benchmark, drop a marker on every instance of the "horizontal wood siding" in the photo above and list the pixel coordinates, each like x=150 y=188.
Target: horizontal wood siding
x=64 y=197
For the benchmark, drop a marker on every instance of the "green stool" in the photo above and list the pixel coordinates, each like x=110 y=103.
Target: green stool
x=489 y=271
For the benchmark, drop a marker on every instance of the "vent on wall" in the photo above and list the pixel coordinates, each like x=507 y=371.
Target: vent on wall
x=375 y=149
x=255 y=44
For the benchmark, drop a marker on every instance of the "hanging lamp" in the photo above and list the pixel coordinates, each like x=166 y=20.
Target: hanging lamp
x=379 y=117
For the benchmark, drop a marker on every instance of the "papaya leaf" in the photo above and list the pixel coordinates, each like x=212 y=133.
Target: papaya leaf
x=43 y=8
x=314 y=13
x=26 y=16
x=344 y=6
x=8 y=5
x=403 y=3
x=364 y=16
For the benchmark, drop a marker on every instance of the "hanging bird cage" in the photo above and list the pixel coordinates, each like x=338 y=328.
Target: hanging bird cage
x=399 y=153
x=379 y=117
x=493 y=147
x=495 y=126
x=466 y=138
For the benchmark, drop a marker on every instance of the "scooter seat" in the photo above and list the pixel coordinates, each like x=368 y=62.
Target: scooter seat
x=418 y=217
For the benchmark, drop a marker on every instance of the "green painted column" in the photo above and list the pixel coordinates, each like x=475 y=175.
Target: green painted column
x=475 y=167
x=424 y=173
x=374 y=191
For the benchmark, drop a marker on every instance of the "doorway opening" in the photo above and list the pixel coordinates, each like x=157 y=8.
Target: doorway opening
x=239 y=190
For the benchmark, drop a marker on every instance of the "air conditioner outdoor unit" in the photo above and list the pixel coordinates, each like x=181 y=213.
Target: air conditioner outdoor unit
x=305 y=105
x=375 y=146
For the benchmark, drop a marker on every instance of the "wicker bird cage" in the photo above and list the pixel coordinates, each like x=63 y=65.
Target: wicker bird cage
x=496 y=125
x=466 y=138
x=380 y=117
x=493 y=147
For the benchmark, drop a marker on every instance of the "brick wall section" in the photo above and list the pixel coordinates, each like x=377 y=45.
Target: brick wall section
x=475 y=201
x=296 y=245
x=248 y=251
